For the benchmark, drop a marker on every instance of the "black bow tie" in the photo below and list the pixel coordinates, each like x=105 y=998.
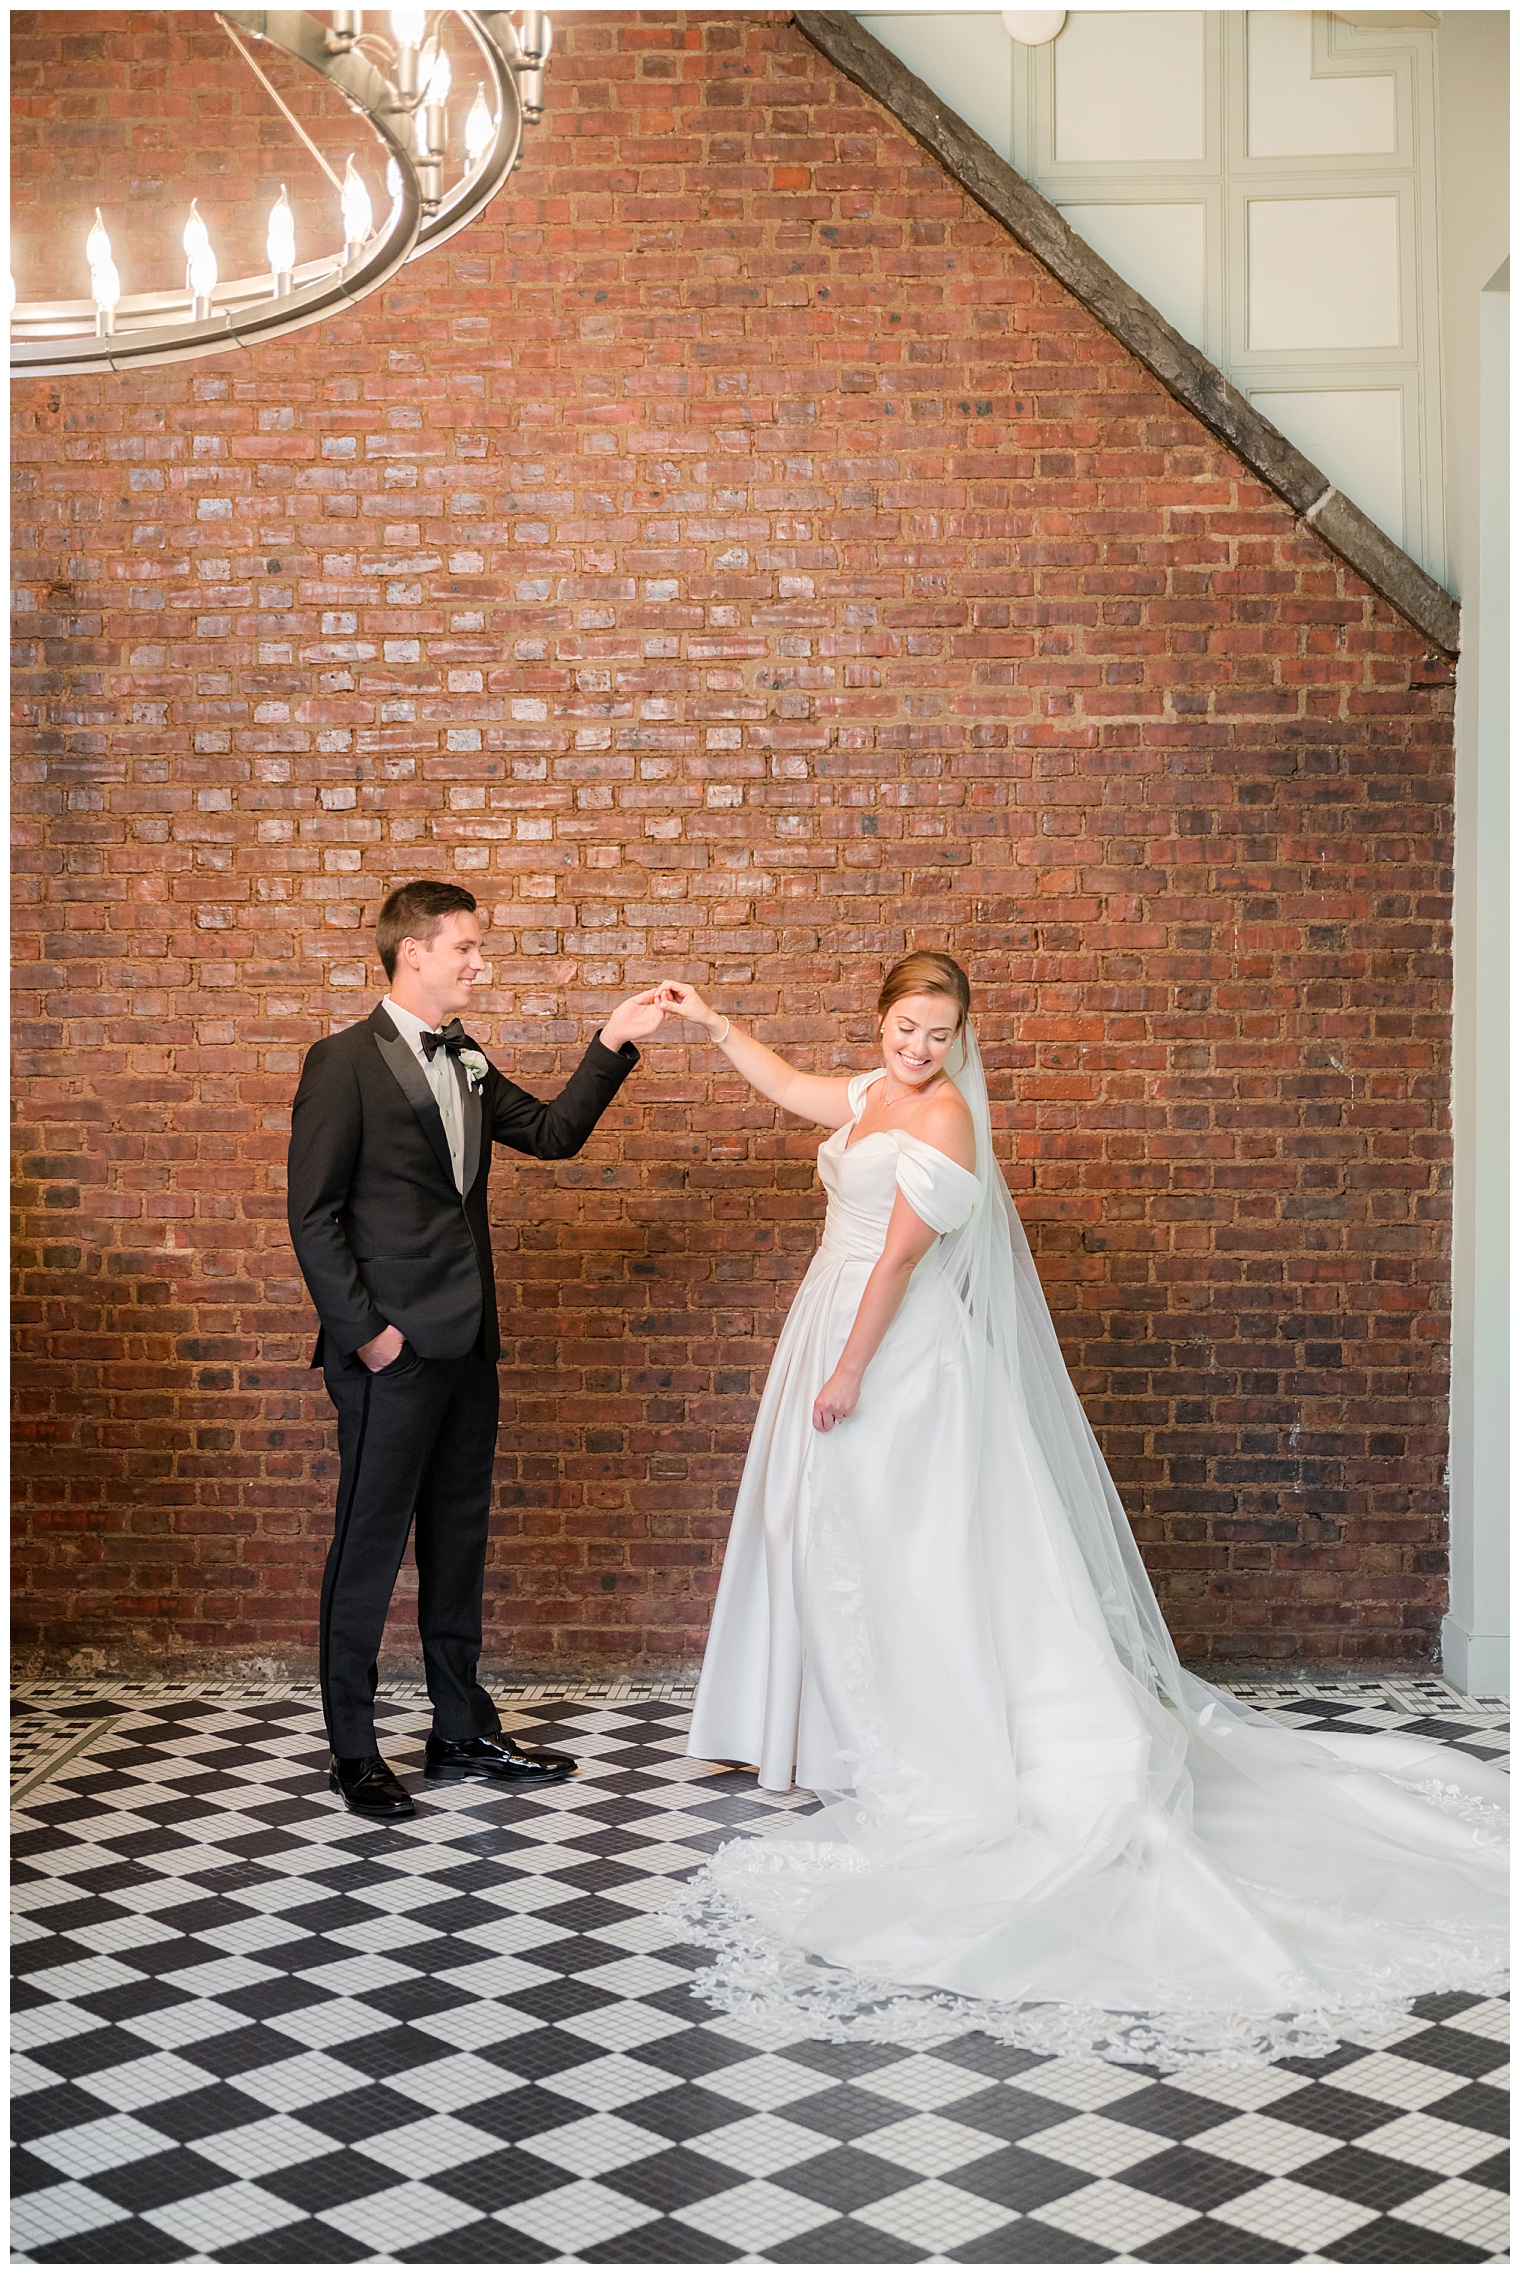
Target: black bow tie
x=453 y=1038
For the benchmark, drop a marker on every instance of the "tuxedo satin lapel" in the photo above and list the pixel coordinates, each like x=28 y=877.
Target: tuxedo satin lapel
x=404 y=1064
x=470 y=1103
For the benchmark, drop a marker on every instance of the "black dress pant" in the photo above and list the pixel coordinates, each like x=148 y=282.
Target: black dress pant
x=415 y=1440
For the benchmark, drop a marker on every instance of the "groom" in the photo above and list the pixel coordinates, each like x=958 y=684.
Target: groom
x=390 y=1148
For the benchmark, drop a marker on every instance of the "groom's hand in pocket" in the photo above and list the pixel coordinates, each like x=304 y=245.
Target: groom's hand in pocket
x=380 y=1353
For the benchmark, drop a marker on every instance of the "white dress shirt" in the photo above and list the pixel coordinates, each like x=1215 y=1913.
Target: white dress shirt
x=443 y=1080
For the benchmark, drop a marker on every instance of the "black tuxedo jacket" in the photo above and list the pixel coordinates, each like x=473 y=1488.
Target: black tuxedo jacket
x=381 y=1231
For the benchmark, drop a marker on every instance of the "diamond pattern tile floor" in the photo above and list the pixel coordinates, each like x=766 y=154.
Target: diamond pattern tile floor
x=250 y=2030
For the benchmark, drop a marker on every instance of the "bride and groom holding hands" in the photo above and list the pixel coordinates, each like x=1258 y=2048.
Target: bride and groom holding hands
x=932 y=1612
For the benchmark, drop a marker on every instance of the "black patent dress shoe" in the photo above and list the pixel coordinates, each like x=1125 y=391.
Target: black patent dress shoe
x=496 y=1759
x=368 y=1787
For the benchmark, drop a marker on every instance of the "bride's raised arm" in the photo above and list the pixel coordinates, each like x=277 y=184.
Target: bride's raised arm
x=815 y=1097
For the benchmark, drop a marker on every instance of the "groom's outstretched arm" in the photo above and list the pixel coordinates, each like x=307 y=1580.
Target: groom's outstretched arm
x=552 y=1129
x=325 y=1130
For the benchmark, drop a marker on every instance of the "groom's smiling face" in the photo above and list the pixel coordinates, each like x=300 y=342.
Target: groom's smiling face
x=434 y=977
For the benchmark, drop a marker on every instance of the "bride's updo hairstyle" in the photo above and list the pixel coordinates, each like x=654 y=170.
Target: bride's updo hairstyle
x=926 y=972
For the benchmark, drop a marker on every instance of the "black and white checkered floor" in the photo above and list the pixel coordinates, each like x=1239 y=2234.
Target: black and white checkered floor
x=251 y=2029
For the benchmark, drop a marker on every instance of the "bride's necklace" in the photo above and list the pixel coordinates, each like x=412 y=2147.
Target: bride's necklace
x=892 y=1102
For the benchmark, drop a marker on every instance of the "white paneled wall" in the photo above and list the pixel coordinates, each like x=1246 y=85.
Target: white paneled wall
x=1267 y=180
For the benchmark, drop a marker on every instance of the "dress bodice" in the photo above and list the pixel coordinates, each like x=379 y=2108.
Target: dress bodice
x=863 y=1180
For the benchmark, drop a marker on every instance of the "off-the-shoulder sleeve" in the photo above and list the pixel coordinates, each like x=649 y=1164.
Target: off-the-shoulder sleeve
x=936 y=1188
x=859 y=1087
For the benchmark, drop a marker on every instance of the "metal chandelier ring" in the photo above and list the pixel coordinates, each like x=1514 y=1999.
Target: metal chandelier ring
x=51 y=337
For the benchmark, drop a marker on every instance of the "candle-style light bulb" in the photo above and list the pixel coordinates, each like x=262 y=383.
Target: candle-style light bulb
x=196 y=238
x=280 y=243
x=409 y=26
x=478 y=128
x=440 y=78
x=97 y=246
x=105 y=284
x=358 y=214
x=202 y=281
x=392 y=179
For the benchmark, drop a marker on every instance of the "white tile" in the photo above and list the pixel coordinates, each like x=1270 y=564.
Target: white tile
x=351 y=1977
x=1096 y=2145
x=109 y=2141
x=765 y=2144
x=54 y=2214
x=1430 y=2143
x=387 y=1930
x=186 y=2025
x=49 y=2024
x=1261 y=2143
x=1461 y=2212
x=1075 y=2081
x=137 y=2084
x=1491 y=2020
x=300 y=2082
x=271 y=2144
x=224 y=2216
x=83 y=1978
x=1406 y=2084
x=467 y=2028
x=431 y=2143
x=635 y=1977
x=1237 y=2088
x=498 y=1977
x=577 y=2217
x=459 y=2080
x=611 y=2082
x=933 y=2145
x=1119 y=2217
x=594 y=2144
x=336 y=2021
x=768 y=2081
x=216 y=1977
x=935 y=2217
x=621 y=2027
x=756 y=2216
x=399 y=2218
x=1299 y=2217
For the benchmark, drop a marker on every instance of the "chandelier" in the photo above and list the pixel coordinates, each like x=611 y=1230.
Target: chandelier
x=401 y=83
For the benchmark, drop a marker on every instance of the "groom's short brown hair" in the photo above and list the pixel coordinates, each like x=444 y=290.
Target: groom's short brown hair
x=414 y=912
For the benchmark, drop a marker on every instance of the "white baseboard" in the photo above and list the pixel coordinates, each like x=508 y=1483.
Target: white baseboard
x=1476 y=1663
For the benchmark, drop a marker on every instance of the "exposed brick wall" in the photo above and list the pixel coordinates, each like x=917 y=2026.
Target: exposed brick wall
x=731 y=558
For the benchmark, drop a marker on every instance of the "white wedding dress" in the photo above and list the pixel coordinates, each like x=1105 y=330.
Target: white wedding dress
x=1037 y=1823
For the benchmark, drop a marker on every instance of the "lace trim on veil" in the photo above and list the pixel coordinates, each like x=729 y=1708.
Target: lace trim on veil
x=763 y=1979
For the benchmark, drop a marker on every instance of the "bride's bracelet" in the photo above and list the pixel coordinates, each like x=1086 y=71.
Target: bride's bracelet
x=718 y=1040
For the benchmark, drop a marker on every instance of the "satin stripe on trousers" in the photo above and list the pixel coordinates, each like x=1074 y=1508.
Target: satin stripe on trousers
x=417 y=1440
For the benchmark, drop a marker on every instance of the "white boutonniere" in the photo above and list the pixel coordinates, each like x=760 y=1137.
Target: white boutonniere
x=476 y=1067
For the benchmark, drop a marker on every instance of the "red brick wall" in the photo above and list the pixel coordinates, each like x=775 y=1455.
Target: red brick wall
x=734 y=558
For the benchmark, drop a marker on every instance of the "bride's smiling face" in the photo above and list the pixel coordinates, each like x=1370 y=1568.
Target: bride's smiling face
x=916 y=1036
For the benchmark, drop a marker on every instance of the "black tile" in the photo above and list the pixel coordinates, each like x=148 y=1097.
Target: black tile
x=1007 y=2113
x=1197 y=2182
x=560 y=1999
x=585 y=1914
x=1494 y=2173
x=196 y=2115
x=683 y=2113
x=1019 y=2180
x=495 y=2182
x=1443 y=2005
x=264 y=2001
x=1170 y=2112
x=844 y=2112
x=485 y=2242
x=1325 y=2108
x=234 y=2052
x=1209 y=2242
x=1455 y=2050
x=662 y=2242
x=521 y=2114
x=326 y=2183
x=305 y=2242
x=1482 y=2106
x=128 y=2001
x=842 y=2062
x=988 y=2057
x=35 y=2114
x=671 y=2181
x=1029 y=2243
x=845 y=2179
x=1357 y=2175
x=694 y=2052
x=388 y=2052
x=356 y=2116
x=126 y=2242
x=845 y=2242
x=152 y=2181
x=1395 y=2242
x=29 y=2173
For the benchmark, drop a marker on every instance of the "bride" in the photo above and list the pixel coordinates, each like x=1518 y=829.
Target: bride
x=933 y=1614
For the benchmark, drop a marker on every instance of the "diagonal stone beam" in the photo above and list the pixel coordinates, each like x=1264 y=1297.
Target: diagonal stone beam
x=1182 y=369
